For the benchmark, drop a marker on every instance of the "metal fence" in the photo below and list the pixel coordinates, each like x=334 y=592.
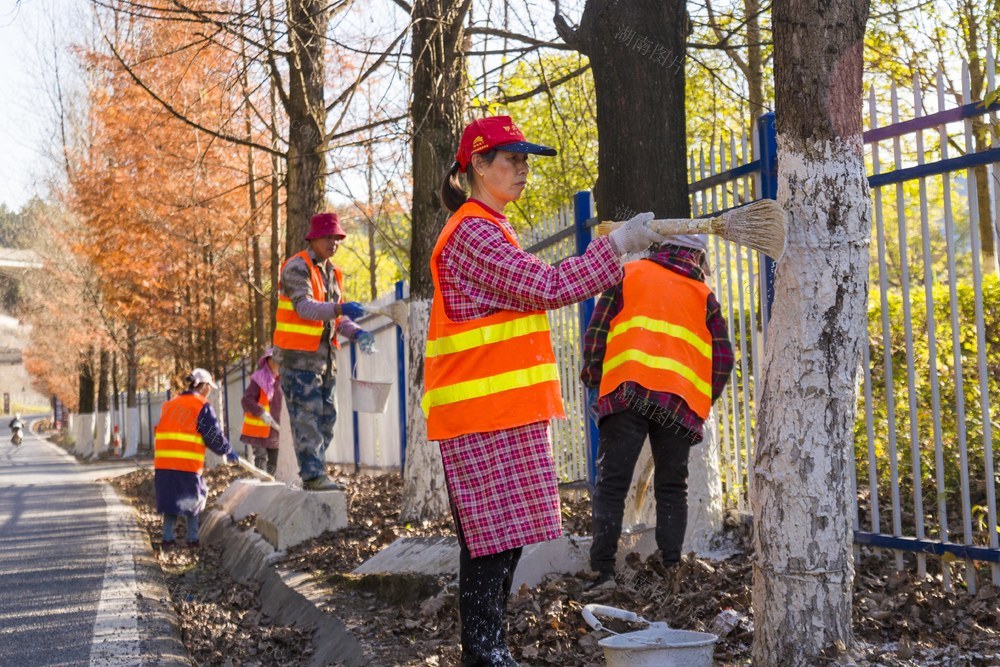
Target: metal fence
x=927 y=411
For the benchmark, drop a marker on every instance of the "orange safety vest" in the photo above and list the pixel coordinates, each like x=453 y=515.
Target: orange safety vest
x=660 y=339
x=292 y=332
x=255 y=427
x=490 y=373
x=179 y=445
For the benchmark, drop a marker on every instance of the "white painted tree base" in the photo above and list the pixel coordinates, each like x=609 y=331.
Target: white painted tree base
x=85 y=441
x=425 y=495
x=705 y=510
x=131 y=440
x=102 y=438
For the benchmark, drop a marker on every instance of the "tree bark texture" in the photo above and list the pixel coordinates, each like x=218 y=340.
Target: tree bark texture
x=980 y=133
x=104 y=382
x=86 y=383
x=131 y=364
x=803 y=562
x=306 y=108
x=438 y=116
x=637 y=52
x=276 y=254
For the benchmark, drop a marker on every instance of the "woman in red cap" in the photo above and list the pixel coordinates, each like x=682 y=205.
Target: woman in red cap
x=491 y=382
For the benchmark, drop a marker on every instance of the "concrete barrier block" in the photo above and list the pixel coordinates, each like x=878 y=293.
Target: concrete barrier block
x=440 y=555
x=295 y=516
x=416 y=555
x=246 y=555
x=566 y=555
x=248 y=496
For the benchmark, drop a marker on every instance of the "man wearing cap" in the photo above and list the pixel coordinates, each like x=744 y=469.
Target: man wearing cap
x=656 y=356
x=187 y=426
x=311 y=313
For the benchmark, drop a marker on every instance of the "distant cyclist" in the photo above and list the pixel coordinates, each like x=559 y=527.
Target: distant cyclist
x=16 y=426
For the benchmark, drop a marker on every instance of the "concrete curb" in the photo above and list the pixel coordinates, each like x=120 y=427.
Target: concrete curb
x=159 y=627
x=290 y=598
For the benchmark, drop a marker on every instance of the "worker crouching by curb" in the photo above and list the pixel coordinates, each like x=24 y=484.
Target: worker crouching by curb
x=657 y=353
x=187 y=427
x=491 y=381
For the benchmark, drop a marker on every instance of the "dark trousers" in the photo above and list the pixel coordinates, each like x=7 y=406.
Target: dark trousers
x=622 y=435
x=266 y=459
x=483 y=589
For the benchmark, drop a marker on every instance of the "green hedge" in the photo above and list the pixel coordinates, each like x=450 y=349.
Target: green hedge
x=948 y=415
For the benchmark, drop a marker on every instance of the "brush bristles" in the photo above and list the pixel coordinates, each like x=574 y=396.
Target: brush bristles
x=760 y=225
x=397 y=311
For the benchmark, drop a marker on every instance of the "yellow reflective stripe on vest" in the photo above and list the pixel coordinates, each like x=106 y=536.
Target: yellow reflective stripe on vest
x=659 y=363
x=253 y=421
x=659 y=326
x=284 y=303
x=177 y=454
x=487 y=386
x=491 y=333
x=183 y=437
x=299 y=328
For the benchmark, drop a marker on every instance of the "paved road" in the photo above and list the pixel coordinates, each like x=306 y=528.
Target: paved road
x=78 y=584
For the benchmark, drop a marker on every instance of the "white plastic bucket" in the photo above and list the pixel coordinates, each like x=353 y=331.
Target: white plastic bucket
x=369 y=396
x=657 y=646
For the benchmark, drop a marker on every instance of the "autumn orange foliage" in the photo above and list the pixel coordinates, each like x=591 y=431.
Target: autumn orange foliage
x=157 y=219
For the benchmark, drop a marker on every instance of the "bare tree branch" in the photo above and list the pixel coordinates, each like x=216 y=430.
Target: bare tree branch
x=546 y=86
x=496 y=32
x=166 y=105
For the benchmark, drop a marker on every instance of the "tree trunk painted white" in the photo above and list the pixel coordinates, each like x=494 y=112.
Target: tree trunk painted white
x=705 y=511
x=425 y=495
x=85 y=443
x=131 y=443
x=70 y=426
x=102 y=439
x=803 y=566
x=288 y=465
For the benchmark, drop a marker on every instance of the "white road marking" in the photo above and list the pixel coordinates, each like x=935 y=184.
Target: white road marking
x=116 y=628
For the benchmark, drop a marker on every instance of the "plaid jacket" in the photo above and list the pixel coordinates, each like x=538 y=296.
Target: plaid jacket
x=503 y=486
x=671 y=407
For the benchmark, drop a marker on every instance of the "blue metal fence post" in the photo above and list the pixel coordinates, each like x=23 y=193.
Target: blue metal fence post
x=354 y=416
x=582 y=212
x=768 y=143
x=401 y=384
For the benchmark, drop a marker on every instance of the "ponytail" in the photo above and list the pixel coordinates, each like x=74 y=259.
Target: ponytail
x=452 y=193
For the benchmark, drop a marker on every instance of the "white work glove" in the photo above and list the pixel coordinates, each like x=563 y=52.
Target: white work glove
x=634 y=236
x=268 y=419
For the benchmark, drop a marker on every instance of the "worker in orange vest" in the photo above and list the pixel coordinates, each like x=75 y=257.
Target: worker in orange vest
x=187 y=427
x=311 y=313
x=491 y=383
x=656 y=356
x=262 y=413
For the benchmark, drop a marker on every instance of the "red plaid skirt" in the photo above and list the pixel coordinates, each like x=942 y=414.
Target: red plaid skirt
x=503 y=488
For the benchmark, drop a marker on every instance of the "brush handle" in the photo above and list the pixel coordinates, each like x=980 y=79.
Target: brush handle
x=666 y=226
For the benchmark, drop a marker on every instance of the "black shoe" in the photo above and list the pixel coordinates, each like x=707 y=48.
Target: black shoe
x=605 y=581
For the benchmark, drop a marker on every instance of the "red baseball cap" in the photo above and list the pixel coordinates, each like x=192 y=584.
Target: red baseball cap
x=325 y=224
x=485 y=134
